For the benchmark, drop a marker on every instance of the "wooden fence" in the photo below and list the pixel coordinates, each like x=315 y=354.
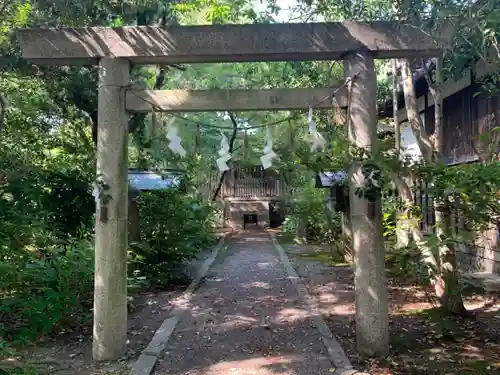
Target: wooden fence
x=469 y=257
x=248 y=182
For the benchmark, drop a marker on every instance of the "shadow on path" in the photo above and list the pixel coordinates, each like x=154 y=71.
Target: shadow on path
x=246 y=319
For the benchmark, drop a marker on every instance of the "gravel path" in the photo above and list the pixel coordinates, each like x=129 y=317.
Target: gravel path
x=246 y=319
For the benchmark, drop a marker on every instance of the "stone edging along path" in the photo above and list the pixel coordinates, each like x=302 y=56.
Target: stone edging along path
x=336 y=353
x=147 y=360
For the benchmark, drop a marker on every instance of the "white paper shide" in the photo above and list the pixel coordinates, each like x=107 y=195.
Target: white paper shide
x=175 y=141
x=269 y=154
x=224 y=155
x=317 y=140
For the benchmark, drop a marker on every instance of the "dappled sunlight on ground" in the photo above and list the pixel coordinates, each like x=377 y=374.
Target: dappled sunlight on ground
x=246 y=319
x=423 y=341
x=255 y=366
x=258 y=284
x=291 y=315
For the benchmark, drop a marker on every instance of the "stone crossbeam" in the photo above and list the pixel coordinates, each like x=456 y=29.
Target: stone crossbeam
x=225 y=43
x=232 y=100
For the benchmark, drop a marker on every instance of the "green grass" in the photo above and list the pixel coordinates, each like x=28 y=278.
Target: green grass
x=435 y=317
x=286 y=239
x=28 y=370
x=323 y=256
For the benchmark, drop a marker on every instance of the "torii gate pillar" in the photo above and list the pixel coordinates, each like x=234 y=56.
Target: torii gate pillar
x=366 y=218
x=110 y=293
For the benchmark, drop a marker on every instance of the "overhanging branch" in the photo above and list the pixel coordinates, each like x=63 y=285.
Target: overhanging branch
x=3 y=110
x=231 y=150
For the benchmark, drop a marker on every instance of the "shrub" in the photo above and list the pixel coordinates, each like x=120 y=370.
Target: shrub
x=67 y=200
x=405 y=263
x=41 y=292
x=46 y=256
x=174 y=229
x=310 y=208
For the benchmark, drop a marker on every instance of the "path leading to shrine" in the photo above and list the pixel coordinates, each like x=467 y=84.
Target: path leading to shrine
x=247 y=318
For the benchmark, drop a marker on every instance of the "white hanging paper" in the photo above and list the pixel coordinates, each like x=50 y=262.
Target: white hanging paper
x=318 y=142
x=372 y=179
x=175 y=141
x=95 y=193
x=269 y=154
x=267 y=159
x=224 y=154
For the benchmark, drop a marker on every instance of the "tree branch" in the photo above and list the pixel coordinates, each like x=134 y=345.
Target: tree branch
x=428 y=78
x=418 y=130
x=397 y=128
x=137 y=119
x=231 y=149
x=3 y=6
x=3 y=110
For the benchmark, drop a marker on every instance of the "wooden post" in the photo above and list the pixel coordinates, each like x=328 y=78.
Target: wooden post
x=372 y=336
x=110 y=294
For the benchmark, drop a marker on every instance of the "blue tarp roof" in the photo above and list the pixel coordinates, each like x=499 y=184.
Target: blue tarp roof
x=329 y=179
x=146 y=180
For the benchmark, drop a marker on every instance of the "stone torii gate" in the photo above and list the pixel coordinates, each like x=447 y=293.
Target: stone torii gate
x=115 y=49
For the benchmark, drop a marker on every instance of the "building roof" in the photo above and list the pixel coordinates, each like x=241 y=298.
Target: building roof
x=147 y=180
x=330 y=179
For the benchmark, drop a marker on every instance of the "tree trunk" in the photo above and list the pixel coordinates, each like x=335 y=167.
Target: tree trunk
x=301 y=230
x=447 y=282
x=395 y=108
x=444 y=274
x=414 y=119
x=402 y=234
x=429 y=257
x=3 y=110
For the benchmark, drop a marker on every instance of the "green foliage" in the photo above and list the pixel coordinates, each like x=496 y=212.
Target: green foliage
x=406 y=264
x=307 y=206
x=44 y=291
x=47 y=152
x=174 y=229
x=471 y=189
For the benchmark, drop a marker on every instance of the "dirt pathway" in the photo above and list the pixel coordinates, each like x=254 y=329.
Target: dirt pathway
x=246 y=319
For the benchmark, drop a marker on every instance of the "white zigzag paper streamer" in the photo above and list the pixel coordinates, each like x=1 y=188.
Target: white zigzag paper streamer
x=269 y=154
x=318 y=142
x=372 y=179
x=175 y=140
x=224 y=154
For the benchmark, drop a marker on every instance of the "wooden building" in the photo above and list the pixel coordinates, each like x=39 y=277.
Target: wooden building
x=468 y=111
x=249 y=192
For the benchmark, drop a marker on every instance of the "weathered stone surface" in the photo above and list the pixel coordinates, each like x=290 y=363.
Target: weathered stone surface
x=111 y=229
x=372 y=332
x=348 y=371
x=233 y=100
x=157 y=344
x=144 y=365
x=225 y=43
